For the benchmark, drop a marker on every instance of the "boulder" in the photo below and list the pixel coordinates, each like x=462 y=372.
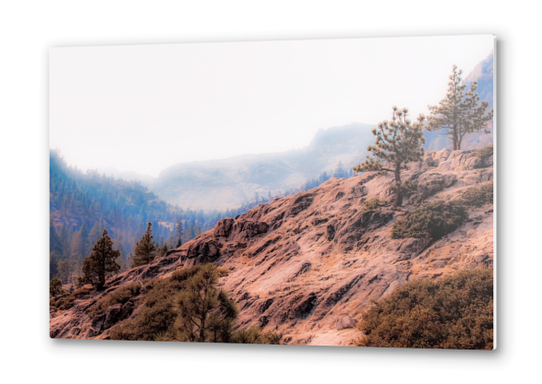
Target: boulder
x=206 y=251
x=112 y=315
x=245 y=230
x=344 y=323
x=96 y=325
x=223 y=228
x=330 y=232
x=431 y=183
x=301 y=203
x=127 y=309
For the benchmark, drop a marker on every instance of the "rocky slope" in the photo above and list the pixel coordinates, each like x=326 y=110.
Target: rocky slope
x=306 y=266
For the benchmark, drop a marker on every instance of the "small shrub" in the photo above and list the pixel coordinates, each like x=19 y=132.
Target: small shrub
x=55 y=287
x=159 y=319
x=478 y=196
x=455 y=312
x=149 y=324
x=407 y=189
x=254 y=335
x=120 y=295
x=374 y=203
x=435 y=219
x=483 y=153
x=66 y=302
x=156 y=318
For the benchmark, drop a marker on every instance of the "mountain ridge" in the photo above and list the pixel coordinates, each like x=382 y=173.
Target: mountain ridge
x=306 y=266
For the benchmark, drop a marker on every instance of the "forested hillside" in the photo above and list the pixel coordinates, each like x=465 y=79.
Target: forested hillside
x=82 y=204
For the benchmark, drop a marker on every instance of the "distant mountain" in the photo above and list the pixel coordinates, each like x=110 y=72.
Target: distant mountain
x=227 y=184
x=483 y=74
x=230 y=183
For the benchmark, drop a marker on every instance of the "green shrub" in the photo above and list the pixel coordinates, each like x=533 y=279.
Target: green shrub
x=159 y=317
x=254 y=335
x=478 y=196
x=66 y=302
x=149 y=324
x=120 y=295
x=407 y=189
x=374 y=203
x=55 y=287
x=455 y=312
x=483 y=153
x=435 y=219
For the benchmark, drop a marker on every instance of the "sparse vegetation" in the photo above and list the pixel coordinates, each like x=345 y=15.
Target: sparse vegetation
x=397 y=141
x=120 y=295
x=254 y=335
x=374 y=203
x=479 y=195
x=406 y=189
x=188 y=306
x=55 y=287
x=483 y=153
x=435 y=219
x=460 y=112
x=206 y=313
x=455 y=312
x=66 y=302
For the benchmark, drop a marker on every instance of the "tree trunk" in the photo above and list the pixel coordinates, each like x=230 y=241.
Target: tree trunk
x=399 y=192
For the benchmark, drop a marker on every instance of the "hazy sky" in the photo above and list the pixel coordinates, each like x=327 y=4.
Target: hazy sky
x=143 y=108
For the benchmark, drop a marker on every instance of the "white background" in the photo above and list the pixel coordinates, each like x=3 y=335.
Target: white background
x=28 y=29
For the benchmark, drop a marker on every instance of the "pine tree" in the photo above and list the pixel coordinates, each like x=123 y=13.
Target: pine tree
x=397 y=141
x=145 y=250
x=339 y=172
x=460 y=112
x=85 y=246
x=95 y=232
x=55 y=244
x=53 y=265
x=179 y=230
x=206 y=313
x=64 y=270
x=66 y=234
x=101 y=262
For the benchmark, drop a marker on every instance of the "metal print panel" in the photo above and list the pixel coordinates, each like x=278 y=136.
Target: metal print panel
x=317 y=192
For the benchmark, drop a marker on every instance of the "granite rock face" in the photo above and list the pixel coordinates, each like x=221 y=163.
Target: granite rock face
x=306 y=266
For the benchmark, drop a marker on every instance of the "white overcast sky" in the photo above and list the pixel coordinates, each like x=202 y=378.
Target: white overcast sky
x=143 y=108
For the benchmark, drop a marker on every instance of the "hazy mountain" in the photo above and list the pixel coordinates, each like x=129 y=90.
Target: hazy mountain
x=230 y=183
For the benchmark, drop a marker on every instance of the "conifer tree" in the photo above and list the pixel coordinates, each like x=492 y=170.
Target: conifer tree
x=206 y=313
x=53 y=265
x=397 y=141
x=145 y=250
x=101 y=262
x=460 y=112
x=179 y=231
x=95 y=232
x=55 y=244
x=64 y=270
